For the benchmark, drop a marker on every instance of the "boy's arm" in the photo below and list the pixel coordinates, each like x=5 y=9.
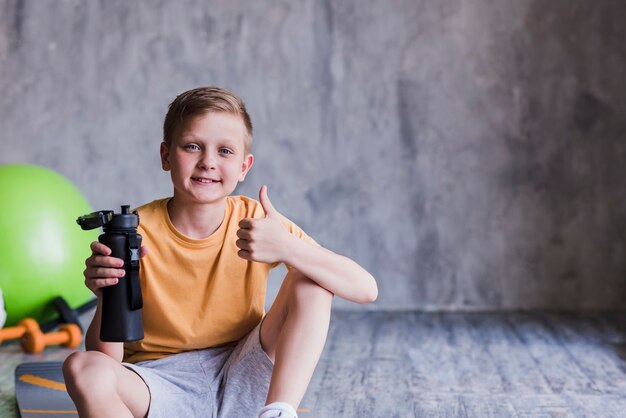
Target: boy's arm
x=103 y=270
x=93 y=342
x=336 y=273
x=266 y=240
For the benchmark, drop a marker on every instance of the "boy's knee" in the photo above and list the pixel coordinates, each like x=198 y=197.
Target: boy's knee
x=84 y=366
x=76 y=362
x=306 y=291
x=72 y=365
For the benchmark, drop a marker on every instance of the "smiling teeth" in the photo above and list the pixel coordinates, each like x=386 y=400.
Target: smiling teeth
x=204 y=180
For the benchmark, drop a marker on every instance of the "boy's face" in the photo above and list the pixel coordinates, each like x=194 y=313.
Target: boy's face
x=207 y=157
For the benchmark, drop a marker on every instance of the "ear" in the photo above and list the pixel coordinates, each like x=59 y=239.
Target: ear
x=165 y=157
x=246 y=165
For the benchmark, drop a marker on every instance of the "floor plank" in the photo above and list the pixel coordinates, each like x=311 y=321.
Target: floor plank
x=489 y=406
x=597 y=360
x=559 y=367
x=502 y=345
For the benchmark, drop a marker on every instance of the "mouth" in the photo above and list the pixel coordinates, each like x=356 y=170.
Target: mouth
x=205 y=180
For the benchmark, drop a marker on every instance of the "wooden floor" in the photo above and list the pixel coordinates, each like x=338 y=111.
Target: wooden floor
x=412 y=364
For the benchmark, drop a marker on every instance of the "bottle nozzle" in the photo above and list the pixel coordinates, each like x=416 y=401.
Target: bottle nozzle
x=125 y=210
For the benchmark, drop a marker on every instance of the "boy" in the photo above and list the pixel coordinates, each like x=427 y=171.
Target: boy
x=209 y=350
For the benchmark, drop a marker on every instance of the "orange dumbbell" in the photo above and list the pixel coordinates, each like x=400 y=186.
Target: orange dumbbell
x=16 y=332
x=68 y=335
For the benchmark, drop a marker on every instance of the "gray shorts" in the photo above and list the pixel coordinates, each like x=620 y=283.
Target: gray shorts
x=223 y=382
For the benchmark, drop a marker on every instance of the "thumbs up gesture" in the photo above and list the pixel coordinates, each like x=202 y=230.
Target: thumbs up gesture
x=263 y=239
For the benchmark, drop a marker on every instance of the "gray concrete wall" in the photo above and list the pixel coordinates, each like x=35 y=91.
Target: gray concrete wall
x=470 y=154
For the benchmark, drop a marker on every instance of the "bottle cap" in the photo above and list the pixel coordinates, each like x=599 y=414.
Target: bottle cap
x=123 y=220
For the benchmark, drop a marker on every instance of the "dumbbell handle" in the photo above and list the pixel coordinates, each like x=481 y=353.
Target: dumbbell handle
x=69 y=335
x=56 y=338
x=13 y=333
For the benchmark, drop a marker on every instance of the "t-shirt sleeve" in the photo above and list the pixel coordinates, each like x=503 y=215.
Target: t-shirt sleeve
x=298 y=232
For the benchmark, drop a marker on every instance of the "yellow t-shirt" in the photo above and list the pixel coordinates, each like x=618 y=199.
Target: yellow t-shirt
x=198 y=293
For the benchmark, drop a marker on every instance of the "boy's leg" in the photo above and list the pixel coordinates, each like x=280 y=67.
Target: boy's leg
x=293 y=335
x=103 y=387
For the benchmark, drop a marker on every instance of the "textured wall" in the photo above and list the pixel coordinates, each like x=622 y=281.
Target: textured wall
x=470 y=154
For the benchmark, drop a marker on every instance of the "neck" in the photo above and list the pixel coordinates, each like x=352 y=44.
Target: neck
x=197 y=221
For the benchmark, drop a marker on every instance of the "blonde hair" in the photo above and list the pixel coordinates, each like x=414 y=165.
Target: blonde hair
x=202 y=100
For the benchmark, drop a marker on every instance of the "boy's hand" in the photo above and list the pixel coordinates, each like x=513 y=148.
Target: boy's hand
x=263 y=240
x=103 y=270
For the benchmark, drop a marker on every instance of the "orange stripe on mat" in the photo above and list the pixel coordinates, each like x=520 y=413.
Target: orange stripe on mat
x=40 y=381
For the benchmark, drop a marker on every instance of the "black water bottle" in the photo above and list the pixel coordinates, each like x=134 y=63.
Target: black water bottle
x=122 y=302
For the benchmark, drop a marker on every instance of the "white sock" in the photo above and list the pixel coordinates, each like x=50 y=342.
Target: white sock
x=279 y=410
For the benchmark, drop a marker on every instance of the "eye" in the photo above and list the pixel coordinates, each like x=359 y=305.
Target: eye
x=191 y=147
x=225 y=151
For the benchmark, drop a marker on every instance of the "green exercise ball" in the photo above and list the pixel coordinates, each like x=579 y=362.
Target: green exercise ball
x=42 y=249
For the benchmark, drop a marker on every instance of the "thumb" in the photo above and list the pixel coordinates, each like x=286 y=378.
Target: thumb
x=265 y=202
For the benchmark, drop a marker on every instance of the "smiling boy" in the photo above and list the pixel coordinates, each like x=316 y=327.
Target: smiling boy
x=209 y=348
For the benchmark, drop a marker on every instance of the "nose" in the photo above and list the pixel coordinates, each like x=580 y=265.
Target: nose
x=207 y=161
